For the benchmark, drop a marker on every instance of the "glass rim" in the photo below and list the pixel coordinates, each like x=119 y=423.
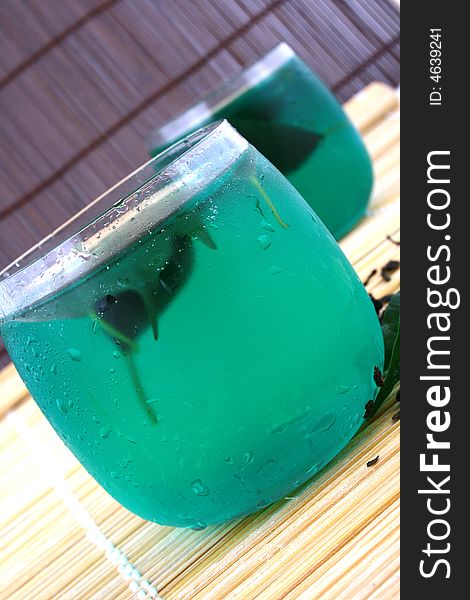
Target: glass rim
x=134 y=206
x=222 y=95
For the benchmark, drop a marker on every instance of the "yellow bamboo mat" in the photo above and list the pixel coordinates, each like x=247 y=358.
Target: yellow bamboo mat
x=63 y=537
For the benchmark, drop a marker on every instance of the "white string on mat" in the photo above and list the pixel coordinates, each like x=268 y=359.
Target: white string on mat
x=137 y=584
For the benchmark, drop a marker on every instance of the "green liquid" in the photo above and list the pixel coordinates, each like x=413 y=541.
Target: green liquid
x=297 y=124
x=214 y=365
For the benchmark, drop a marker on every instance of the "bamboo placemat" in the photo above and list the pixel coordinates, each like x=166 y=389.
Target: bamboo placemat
x=63 y=537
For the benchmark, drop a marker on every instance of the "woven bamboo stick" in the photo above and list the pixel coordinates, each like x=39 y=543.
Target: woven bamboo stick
x=370 y=105
x=384 y=136
x=356 y=550
x=12 y=389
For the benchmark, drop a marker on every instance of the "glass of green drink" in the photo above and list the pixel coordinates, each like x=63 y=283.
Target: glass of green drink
x=196 y=336
x=281 y=107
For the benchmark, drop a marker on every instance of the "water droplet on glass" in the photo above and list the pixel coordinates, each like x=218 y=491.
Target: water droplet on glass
x=248 y=458
x=228 y=460
x=200 y=488
x=200 y=525
x=264 y=467
x=62 y=405
x=267 y=226
x=275 y=270
x=264 y=241
x=75 y=354
x=314 y=468
x=105 y=431
x=32 y=343
x=325 y=423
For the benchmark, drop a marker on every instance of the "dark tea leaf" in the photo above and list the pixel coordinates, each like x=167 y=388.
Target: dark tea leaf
x=125 y=313
x=126 y=316
x=137 y=383
x=170 y=279
x=390 y=326
x=392 y=376
x=286 y=146
x=391 y=334
x=378 y=377
x=389 y=268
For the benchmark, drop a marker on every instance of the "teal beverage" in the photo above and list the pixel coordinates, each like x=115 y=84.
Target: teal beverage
x=289 y=115
x=202 y=346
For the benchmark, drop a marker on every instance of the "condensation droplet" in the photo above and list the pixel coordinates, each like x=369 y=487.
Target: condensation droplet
x=200 y=525
x=75 y=354
x=200 y=488
x=325 y=423
x=105 y=431
x=267 y=226
x=266 y=466
x=264 y=241
x=248 y=458
x=314 y=468
x=62 y=405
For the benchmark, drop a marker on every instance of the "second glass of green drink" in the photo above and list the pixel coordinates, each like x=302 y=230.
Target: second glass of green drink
x=281 y=107
x=196 y=337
